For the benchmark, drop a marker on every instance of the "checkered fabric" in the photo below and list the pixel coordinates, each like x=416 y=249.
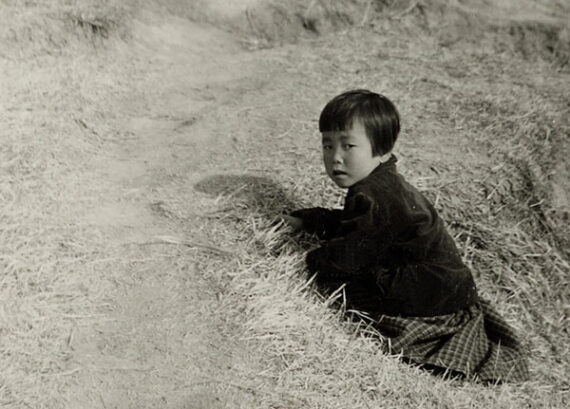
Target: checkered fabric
x=475 y=342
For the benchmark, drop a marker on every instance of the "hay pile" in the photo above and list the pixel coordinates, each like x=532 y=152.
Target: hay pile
x=485 y=136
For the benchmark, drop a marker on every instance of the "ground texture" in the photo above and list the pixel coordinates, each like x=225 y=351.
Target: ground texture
x=144 y=161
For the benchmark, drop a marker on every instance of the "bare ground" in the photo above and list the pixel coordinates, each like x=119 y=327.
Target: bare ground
x=161 y=341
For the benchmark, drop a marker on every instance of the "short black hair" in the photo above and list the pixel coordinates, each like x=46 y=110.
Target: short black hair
x=375 y=112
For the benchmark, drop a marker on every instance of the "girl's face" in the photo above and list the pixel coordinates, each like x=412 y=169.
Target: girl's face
x=348 y=155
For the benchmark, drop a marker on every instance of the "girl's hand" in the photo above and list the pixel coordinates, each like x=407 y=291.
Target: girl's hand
x=295 y=223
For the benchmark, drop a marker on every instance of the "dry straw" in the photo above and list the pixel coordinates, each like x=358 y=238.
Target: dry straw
x=169 y=318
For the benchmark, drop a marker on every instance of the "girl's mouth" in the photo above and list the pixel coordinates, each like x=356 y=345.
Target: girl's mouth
x=339 y=173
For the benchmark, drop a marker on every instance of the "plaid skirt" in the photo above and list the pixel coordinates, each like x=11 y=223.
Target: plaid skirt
x=475 y=342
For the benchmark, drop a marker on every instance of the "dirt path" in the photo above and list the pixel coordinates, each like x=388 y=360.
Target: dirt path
x=157 y=341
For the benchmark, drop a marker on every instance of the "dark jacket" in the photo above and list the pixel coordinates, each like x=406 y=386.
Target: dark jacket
x=390 y=243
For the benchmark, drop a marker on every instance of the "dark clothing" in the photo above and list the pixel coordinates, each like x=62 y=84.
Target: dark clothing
x=474 y=342
x=399 y=266
x=389 y=244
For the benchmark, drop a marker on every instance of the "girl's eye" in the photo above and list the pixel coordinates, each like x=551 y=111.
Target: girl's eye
x=348 y=146
x=327 y=147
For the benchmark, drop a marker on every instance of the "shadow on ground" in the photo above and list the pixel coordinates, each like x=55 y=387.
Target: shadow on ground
x=260 y=196
x=255 y=193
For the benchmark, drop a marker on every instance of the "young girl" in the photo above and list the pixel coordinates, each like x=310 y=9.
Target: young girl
x=391 y=251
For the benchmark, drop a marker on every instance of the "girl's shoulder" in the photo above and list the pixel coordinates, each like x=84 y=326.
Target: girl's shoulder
x=380 y=186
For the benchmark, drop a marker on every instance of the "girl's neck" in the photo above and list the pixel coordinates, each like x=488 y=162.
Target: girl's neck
x=385 y=158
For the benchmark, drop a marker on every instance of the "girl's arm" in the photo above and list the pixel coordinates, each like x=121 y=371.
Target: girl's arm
x=320 y=221
x=361 y=244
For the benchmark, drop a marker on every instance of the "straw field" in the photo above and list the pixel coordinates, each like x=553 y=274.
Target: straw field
x=147 y=149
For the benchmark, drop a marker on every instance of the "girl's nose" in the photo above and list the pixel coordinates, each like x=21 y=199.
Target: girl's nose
x=337 y=156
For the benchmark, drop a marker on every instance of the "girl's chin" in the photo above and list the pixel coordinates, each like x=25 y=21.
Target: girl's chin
x=343 y=182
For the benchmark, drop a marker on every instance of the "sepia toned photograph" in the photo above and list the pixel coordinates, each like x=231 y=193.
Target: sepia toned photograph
x=284 y=204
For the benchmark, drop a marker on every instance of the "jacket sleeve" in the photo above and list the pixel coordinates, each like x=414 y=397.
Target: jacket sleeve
x=358 y=247
x=320 y=221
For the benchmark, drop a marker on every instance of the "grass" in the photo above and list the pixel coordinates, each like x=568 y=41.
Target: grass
x=32 y=29
x=220 y=312
x=53 y=77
